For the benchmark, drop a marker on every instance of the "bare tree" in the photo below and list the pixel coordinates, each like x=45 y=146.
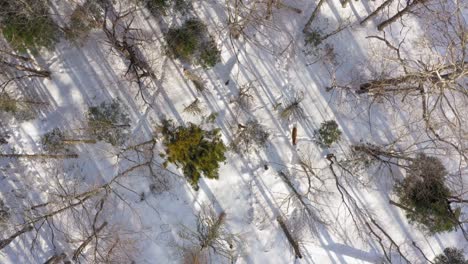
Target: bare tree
x=210 y=240
x=124 y=38
x=433 y=79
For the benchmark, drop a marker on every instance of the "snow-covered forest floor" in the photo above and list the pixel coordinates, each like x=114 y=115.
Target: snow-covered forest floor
x=397 y=92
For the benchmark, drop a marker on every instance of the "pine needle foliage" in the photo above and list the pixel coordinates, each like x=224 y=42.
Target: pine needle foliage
x=192 y=43
x=109 y=122
x=198 y=152
x=8 y=104
x=26 y=25
x=451 y=256
x=424 y=193
x=251 y=136
x=53 y=140
x=328 y=133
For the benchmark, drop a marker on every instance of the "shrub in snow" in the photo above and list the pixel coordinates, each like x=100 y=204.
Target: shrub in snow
x=194 y=108
x=192 y=43
x=328 y=133
x=53 y=140
x=83 y=19
x=250 y=136
x=292 y=108
x=109 y=122
x=210 y=242
x=313 y=38
x=158 y=7
x=451 y=256
x=4 y=214
x=27 y=25
x=210 y=55
x=198 y=152
x=8 y=104
x=425 y=197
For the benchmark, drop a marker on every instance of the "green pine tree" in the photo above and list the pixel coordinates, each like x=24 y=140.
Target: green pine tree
x=328 y=133
x=198 y=152
x=27 y=25
x=425 y=197
x=109 y=122
x=451 y=256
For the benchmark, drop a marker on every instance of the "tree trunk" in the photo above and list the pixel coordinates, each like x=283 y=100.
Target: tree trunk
x=381 y=84
x=290 y=238
x=401 y=206
x=85 y=243
x=78 y=141
x=401 y=13
x=19 y=67
x=30 y=102
x=38 y=156
x=286 y=6
x=312 y=17
x=56 y=259
x=294 y=136
x=376 y=11
x=5 y=242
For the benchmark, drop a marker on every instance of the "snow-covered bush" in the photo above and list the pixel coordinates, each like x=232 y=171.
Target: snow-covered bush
x=198 y=152
x=7 y=104
x=53 y=141
x=328 y=133
x=109 y=122
x=192 y=43
x=250 y=136
x=83 y=19
x=313 y=38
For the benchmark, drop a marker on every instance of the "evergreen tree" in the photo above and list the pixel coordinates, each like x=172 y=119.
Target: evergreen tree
x=451 y=256
x=27 y=25
x=109 y=122
x=53 y=141
x=425 y=197
x=198 y=152
x=192 y=43
x=328 y=133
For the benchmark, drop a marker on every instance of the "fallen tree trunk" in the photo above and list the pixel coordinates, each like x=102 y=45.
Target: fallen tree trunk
x=376 y=11
x=290 y=238
x=312 y=17
x=401 y=13
x=294 y=136
x=38 y=156
x=6 y=242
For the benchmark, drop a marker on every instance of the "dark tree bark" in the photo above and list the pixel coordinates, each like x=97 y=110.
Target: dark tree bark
x=398 y=15
x=38 y=156
x=290 y=238
x=6 y=242
x=312 y=17
x=376 y=11
x=294 y=136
